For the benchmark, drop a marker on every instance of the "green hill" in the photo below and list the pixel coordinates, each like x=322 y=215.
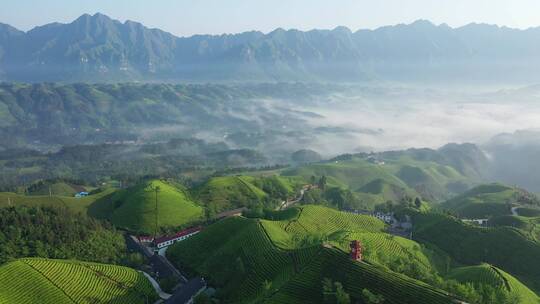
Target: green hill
x=231 y=192
x=488 y=200
x=509 y=249
x=399 y=175
x=60 y=281
x=529 y=225
x=54 y=188
x=82 y=204
x=285 y=261
x=528 y=212
x=496 y=278
x=134 y=208
x=380 y=191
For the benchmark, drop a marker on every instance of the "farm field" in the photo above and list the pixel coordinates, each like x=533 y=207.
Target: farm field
x=34 y=280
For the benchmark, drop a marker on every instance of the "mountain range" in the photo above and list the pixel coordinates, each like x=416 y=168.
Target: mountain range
x=97 y=48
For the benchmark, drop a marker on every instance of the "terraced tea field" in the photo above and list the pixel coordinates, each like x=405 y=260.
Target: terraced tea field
x=256 y=260
x=47 y=281
x=492 y=276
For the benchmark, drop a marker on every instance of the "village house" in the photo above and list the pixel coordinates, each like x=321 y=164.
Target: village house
x=385 y=217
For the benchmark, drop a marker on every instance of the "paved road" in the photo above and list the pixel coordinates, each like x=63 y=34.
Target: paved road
x=156 y=286
x=287 y=204
x=514 y=211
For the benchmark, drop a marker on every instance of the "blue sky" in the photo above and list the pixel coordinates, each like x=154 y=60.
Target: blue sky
x=188 y=17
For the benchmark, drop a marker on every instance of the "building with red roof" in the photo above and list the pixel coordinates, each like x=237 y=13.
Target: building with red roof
x=166 y=241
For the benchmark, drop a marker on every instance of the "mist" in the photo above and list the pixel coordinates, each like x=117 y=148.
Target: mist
x=398 y=119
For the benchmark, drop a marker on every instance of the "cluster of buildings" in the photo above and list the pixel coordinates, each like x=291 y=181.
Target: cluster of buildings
x=385 y=217
x=480 y=222
x=375 y=160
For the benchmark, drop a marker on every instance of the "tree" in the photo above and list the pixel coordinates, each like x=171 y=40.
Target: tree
x=417 y=202
x=371 y=298
x=328 y=291
x=341 y=296
x=322 y=182
x=267 y=287
x=334 y=293
x=202 y=298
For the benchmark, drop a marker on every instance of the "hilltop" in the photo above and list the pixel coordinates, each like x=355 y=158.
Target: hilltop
x=135 y=208
x=60 y=281
x=230 y=192
x=489 y=200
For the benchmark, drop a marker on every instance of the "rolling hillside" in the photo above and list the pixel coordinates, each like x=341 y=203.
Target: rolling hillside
x=61 y=281
x=55 y=188
x=489 y=200
x=496 y=278
x=85 y=205
x=134 y=208
x=400 y=175
x=284 y=261
x=230 y=192
x=507 y=248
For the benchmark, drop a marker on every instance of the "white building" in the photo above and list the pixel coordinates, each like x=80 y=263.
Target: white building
x=166 y=241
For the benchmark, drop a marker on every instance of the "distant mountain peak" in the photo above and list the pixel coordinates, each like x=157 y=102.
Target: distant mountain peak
x=97 y=47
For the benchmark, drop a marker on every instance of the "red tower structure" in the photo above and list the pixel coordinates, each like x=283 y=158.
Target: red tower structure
x=356 y=250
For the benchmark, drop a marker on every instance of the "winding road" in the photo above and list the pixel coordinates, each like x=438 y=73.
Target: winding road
x=514 y=211
x=287 y=204
x=162 y=294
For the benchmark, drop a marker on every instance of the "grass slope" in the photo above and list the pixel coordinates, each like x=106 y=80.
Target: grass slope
x=135 y=207
x=60 y=281
x=284 y=262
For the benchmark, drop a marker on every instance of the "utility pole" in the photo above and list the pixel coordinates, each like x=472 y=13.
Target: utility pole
x=156 y=190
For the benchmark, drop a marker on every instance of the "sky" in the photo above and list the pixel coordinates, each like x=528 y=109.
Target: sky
x=189 y=17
